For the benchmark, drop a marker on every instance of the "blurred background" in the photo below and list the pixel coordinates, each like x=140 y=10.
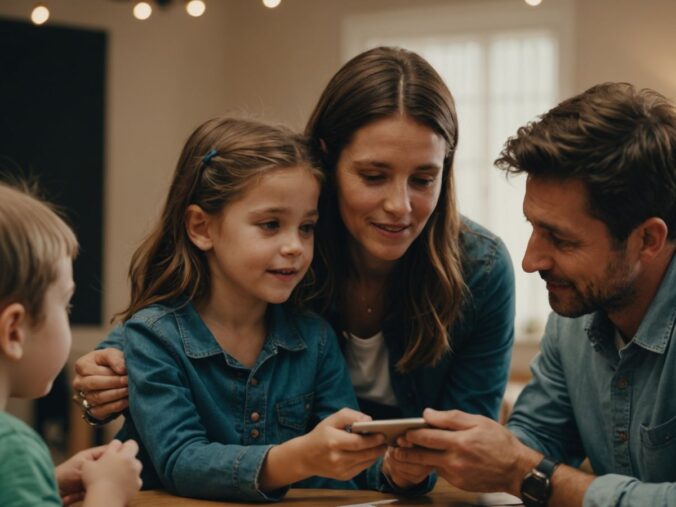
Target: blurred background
x=98 y=104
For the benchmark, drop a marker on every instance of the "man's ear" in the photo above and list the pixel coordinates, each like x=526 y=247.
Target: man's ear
x=12 y=331
x=652 y=237
x=197 y=226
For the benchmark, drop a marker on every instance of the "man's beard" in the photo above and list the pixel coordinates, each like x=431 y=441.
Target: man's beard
x=616 y=292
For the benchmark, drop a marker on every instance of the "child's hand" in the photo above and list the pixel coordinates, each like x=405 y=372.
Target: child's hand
x=69 y=474
x=113 y=479
x=333 y=452
x=403 y=474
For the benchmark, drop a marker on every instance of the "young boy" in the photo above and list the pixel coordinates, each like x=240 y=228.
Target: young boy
x=36 y=283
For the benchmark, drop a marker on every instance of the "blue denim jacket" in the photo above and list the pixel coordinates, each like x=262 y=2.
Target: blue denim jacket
x=473 y=375
x=205 y=422
x=616 y=408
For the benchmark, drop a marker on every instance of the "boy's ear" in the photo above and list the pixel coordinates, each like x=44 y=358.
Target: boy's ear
x=197 y=226
x=12 y=331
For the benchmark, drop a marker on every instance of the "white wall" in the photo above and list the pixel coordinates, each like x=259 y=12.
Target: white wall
x=171 y=72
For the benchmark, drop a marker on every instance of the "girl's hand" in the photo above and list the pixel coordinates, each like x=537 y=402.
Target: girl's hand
x=101 y=378
x=403 y=474
x=332 y=452
x=114 y=478
x=69 y=474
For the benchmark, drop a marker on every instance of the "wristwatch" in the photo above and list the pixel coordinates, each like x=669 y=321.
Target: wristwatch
x=536 y=486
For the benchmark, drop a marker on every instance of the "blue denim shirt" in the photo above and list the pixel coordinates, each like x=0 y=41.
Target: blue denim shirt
x=205 y=422
x=473 y=375
x=616 y=408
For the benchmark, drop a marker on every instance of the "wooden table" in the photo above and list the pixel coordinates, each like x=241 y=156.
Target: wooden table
x=443 y=494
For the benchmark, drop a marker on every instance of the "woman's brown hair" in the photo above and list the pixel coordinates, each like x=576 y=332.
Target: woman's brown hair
x=426 y=291
x=219 y=161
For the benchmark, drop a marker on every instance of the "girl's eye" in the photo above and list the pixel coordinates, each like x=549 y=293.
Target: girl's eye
x=308 y=229
x=270 y=225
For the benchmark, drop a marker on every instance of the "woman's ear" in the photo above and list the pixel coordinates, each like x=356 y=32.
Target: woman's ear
x=197 y=226
x=12 y=331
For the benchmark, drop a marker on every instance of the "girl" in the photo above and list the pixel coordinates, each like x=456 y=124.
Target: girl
x=225 y=380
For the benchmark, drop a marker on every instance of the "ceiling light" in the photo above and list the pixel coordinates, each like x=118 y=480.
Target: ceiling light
x=195 y=8
x=533 y=3
x=271 y=4
x=40 y=14
x=142 y=10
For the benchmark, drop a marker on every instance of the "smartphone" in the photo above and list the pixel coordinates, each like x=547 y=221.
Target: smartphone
x=391 y=428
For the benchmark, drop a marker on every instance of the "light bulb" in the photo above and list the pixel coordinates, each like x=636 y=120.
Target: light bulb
x=271 y=4
x=533 y=3
x=195 y=8
x=40 y=14
x=142 y=10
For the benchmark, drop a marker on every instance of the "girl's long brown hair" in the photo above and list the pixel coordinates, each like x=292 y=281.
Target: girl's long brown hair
x=426 y=291
x=167 y=265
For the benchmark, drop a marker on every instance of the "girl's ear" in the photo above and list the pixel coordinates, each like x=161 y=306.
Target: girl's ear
x=197 y=226
x=12 y=331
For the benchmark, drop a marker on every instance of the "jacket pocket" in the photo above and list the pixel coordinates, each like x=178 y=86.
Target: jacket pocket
x=293 y=416
x=658 y=448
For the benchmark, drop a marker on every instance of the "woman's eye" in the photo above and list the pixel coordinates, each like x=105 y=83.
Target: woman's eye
x=371 y=177
x=271 y=225
x=423 y=181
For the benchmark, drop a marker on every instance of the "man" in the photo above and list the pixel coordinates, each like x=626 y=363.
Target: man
x=601 y=199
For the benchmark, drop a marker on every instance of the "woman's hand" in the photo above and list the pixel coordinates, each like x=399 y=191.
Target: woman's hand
x=101 y=380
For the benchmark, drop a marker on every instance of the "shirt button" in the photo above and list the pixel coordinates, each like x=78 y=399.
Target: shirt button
x=255 y=433
x=254 y=381
x=255 y=416
x=622 y=436
x=622 y=383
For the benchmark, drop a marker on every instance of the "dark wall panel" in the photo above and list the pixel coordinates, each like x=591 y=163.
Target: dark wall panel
x=52 y=126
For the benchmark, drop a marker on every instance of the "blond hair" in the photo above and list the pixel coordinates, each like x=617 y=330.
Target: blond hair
x=33 y=239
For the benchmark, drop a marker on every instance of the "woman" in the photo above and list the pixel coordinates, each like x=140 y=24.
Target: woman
x=423 y=298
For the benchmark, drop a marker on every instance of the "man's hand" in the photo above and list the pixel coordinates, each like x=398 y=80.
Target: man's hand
x=471 y=452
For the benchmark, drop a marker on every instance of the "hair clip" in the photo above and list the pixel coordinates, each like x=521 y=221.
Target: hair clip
x=210 y=154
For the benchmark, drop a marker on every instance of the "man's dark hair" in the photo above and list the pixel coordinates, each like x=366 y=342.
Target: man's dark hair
x=618 y=141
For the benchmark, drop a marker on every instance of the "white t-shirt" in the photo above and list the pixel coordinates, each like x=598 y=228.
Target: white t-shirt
x=368 y=363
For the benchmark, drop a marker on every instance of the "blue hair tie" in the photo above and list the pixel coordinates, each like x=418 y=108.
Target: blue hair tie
x=210 y=154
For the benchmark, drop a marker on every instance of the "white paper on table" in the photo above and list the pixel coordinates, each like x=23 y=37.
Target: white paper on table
x=369 y=504
x=497 y=499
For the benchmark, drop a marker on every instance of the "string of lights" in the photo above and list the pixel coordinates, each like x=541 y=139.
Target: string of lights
x=144 y=9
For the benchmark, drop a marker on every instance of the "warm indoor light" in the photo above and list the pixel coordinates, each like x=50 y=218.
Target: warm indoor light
x=195 y=8
x=40 y=14
x=271 y=4
x=142 y=10
x=533 y=3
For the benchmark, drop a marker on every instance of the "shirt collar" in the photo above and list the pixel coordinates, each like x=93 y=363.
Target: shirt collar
x=198 y=342
x=658 y=324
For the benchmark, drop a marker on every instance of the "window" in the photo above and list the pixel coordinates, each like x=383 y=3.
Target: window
x=503 y=71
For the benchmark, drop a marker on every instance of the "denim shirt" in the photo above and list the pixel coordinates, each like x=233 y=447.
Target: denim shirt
x=205 y=422
x=473 y=375
x=616 y=408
